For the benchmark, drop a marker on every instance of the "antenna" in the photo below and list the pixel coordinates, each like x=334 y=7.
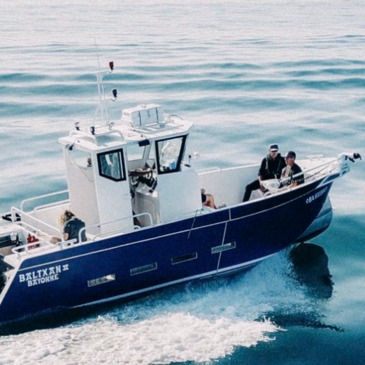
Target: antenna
x=97 y=53
x=102 y=107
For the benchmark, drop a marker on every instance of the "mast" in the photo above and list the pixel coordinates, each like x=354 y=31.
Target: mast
x=102 y=110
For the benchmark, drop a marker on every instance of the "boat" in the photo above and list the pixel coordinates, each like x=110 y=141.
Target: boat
x=134 y=186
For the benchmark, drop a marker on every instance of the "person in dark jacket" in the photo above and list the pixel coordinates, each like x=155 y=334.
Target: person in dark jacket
x=71 y=228
x=292 y=174
x=271 y=168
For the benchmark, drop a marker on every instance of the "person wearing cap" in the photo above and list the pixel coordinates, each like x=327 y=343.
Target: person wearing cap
x=292 y=174
x=271 y=168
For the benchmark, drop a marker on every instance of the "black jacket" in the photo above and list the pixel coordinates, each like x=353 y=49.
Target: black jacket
x=295 y=175
x=73 y=227
x=270 y=168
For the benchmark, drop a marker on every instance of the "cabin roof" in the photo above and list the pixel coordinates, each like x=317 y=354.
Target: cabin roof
x=115 y=135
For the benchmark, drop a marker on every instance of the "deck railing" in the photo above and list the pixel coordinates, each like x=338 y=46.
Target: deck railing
x=35 y=221
x=42 y=197
x=115 y=231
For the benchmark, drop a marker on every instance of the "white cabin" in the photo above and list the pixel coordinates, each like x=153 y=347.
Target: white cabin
x=131 y=175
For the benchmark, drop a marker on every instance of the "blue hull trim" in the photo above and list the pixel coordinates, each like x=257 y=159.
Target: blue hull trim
x=147 y=259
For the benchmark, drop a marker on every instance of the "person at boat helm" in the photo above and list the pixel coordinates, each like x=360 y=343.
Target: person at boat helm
x=292 y=174
x=71 y=227
x=271 y=168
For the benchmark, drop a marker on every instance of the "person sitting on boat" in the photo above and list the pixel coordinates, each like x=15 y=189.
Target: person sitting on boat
x=208 y=199
x=271 y=167
x=71 y=227
x=292 y=174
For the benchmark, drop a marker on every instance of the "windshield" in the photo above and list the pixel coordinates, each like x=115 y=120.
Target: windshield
x=170 y=153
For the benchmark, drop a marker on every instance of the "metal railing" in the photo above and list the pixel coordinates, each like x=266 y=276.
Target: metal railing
x=44 y=196
x=115 y=231
x=22 y=214
x=39 y=227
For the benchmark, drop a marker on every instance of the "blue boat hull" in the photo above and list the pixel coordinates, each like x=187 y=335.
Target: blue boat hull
x=123 y=266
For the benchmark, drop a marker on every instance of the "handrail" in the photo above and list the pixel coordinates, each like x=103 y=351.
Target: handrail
x=66 y=243
x=15 y=210
x=46 y=244
x=105 y=131
x=275 y=185
x=40 y=207
x=31 y=230
x=99 y=225
x=25 y=201
x=25 y=247
x=324 y=165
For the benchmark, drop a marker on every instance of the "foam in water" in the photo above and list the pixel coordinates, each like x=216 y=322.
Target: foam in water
x=197 y=322
x=162 y=339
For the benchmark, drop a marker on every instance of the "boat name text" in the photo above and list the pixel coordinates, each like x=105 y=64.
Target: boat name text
x=315 y=196
x=43 y=276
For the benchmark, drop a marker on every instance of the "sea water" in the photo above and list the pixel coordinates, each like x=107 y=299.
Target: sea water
x=247 y=73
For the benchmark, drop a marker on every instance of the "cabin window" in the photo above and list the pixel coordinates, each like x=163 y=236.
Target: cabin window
x=135 y=152
x=169 y=154
x=111 y=165
x=140 y=156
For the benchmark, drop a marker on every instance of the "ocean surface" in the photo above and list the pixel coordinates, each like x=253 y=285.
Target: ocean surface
x=247 y=73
